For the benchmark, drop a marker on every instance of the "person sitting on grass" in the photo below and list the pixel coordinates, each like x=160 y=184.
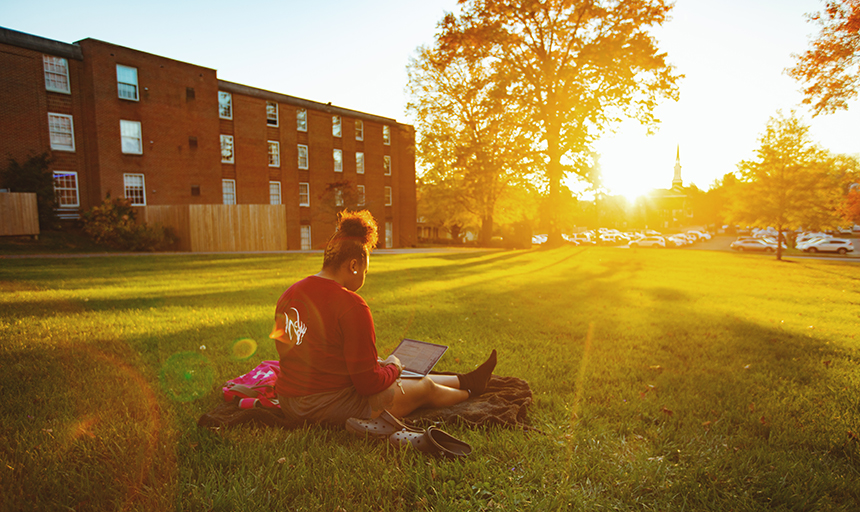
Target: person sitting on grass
x=330 y=370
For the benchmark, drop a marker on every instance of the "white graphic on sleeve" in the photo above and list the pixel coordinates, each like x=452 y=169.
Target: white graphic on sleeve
x=296 y=327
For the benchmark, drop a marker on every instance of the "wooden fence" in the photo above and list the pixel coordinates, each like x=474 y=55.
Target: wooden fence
x=222 y=228
x=19 y=214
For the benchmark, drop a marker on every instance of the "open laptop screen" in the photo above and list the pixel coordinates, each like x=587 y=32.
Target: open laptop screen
x=418 y=357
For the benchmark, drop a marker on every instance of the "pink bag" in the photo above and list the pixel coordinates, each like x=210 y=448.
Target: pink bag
x=256 y=387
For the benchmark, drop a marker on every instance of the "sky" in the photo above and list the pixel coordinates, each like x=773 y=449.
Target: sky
x=353 y=54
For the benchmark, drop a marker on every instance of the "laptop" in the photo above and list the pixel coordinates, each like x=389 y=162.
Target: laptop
x=418 y=357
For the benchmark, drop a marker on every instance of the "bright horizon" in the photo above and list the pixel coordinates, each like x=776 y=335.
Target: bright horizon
x=732 y=54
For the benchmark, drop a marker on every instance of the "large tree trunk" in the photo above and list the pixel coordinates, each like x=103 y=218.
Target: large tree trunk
x=554 y=173
x=486 y=229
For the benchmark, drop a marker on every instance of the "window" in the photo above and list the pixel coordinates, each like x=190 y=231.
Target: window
x=56 y=74
x=126 y=82
x=302 y=120
x=271 y=113
x=386 y=165
x=274 y=153
x=306 y=238
x=338 y=160
x=66 y=189
x=359 y=129
x=338 y=197
x=359 y=163
x=135 y=191
x=228 y=191
x=274 y=192
x=335 y=126
x=304 y=194
x=360 y=195
x=389 y=235
x=226 y=149
x=387 y=196
x=303 y=156
x=386 y=135
x=225 y=105
x=131 y=139
x=62 y=132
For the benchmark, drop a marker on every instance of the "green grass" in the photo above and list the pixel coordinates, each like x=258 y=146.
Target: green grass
x=709 y=381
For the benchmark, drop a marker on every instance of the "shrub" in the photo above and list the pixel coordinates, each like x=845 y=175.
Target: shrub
x=113 y=223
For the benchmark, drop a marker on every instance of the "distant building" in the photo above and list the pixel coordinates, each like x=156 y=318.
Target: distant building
x=121 y=122
x=669 y=208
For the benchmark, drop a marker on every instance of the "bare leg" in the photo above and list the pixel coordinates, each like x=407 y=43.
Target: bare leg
x=416 y=393
x=451 y=381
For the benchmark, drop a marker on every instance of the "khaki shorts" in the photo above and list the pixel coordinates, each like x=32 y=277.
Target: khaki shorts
x=334 y=407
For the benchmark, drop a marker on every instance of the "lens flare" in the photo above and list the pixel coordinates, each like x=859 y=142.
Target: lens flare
x=187 y=376
x=244 y=348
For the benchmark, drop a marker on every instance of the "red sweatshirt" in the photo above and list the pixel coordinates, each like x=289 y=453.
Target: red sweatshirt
x=332 y=341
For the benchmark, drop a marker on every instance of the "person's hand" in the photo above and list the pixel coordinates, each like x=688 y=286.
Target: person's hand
x=392 y=359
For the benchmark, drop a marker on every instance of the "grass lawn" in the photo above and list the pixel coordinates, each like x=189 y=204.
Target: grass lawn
x=662 y=380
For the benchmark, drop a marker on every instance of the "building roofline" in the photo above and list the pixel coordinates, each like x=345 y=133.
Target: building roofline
x=106 y=43
x=300 y=102
x=40 y=44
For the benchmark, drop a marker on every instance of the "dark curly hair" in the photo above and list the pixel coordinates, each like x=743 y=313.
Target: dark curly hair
x=354 y=238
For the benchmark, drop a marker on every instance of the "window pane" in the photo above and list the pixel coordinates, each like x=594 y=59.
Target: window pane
x=131 y=137
x=225 y=105
x=386 y=135
x=359 y=129
x=389 y=235
x=303 y=157
x=304 y=194
x=228 y=191
x=338 y=197
x=66 y=189
x=387 y=196
x=272 y=113
x=227 y=149
x=56 y=73
x=361 y=195
x=134 y=189
x=302 y=120
x=61 y=130
x=359 y=163
x=338 y=160
x=274 y=154
x=126 y=78
x=306 y=238
x=335 y=126
x=274 y=192
x=386 y=165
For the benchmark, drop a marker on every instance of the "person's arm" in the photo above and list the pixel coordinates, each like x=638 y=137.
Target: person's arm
x=367 y=374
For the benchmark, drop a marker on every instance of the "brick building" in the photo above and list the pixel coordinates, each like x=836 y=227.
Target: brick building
x=162 y=132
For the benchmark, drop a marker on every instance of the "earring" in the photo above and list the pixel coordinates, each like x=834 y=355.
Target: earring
x=355 y=271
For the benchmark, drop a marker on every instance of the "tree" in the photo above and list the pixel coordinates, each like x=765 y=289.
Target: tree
x=849 y=169
x=570 y=69
x=440 y=204
x=789 y=184
x=471 y=152
x=34 y=175
x=830 y=69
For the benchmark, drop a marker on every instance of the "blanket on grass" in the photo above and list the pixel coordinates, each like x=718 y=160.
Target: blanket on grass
x=505 y=402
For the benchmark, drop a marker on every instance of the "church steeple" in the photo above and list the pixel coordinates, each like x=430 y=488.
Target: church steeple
x=677 y=182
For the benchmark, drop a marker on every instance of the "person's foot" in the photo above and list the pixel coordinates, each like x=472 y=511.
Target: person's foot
x=475 y=382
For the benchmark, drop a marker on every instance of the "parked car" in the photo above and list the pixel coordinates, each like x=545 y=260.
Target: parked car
x=582 y=239
x=755 y=244
x=772 y=241
x=837 y=245
x=648 y=241
x=539 y=239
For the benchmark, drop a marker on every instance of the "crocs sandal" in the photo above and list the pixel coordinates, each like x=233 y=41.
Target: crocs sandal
x=415 y=439
x=449 y=446
x=382 y=426
x=431 y=441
